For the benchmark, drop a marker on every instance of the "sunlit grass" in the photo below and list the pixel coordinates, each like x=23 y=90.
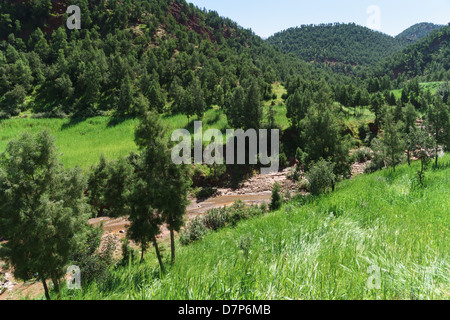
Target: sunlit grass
x=320 y=250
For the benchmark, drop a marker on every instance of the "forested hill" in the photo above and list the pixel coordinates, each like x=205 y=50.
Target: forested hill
x=418 y=31
x=340 y=45
x=429 y=57
x=130 y=56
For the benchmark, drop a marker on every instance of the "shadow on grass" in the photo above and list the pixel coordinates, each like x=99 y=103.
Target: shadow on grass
x=116 y=120
x=73 y=121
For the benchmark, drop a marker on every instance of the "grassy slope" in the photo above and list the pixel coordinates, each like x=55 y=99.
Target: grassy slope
x=432 y=86
x=82 y=143
x=321 y=250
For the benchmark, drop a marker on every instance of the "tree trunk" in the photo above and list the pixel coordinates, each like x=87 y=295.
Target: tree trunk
x=158 y=254
x=437 y=157
x=47 y=295
x=172 y=246
x=55 y=284
x=142 y=252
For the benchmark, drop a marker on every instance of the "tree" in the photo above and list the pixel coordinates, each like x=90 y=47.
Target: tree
x=438 y=124
x=168 y=183
x=43 y=211
x=276 y=199
x=376 y=104
x=297 y=106
x=322 y=139
x=392 y=140
x=321 y=176
x=253 y=107
x=423 y=148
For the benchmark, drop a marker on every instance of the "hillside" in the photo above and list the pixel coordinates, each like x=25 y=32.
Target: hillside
x=429 y=57
x=418 y=31
x=321 y=249
x=130 y=56
x=341 y=46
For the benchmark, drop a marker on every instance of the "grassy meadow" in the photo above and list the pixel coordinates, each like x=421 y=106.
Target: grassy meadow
x=319 y=249
x=432 y=86
x=82 y=142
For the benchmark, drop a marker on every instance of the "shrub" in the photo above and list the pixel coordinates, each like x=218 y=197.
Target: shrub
x=238 y=212
x=128 y=253
x=194 y=231
x=363 y=155
x=203 y=193
x=276 y=200
x=94 y=261
x=283 y=160
x=321 y=176
x=216 y=219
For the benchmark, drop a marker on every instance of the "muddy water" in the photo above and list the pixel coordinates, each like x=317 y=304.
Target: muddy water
x=195 y=208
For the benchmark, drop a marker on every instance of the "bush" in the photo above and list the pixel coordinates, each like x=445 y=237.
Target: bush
x=276 y=200
x=194 y=231
x=283 y=160
x=94 y=261
x=216 y=219
x=321 y=176
x=238 y=212
x=363 y=155
x=128 y=253
x=204 y=193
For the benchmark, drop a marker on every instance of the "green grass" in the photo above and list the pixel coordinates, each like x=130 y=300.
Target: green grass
x=82 y=143
x=320 y=250
x=432 y=86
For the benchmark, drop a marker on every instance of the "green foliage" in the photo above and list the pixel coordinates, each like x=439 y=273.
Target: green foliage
x=418 y=31
x=216 y=219
x=276 y=199
x=322 y=138
x=43 y=209
x=438 y=124
x=427 y=57
x=292 y=256
x=321 y=176
x=130 y=56
x=94 y=258
x=392 y=141
x=340 y=45
x=195 y=230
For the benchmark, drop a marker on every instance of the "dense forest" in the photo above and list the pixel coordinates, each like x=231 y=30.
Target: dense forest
x=428 y=58
x=418 y=31
x=125 y=60
x=341 y=46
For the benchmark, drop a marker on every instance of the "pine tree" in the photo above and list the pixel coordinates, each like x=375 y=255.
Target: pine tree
x=323 y=140
x=392 y=140
x=276 y=199
x=167 y=183
x=43 y=211
x=438 y=124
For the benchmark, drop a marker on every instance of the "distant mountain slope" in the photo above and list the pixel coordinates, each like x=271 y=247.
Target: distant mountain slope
x=418 y=31
x=347 y=44
x=429 y=57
